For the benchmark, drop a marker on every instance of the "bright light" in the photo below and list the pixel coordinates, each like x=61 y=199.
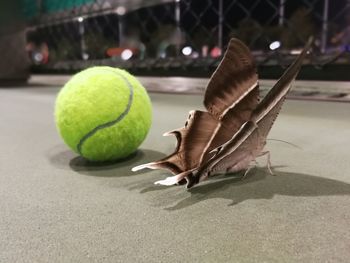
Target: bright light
x=215 y=52
x=38 y=58
x=126 y=54
x=274 y=45
x=187 y=51
x=85 y=56
x=80 y=19
x=162 y=54
x=195 y=55
x=295 y=52
x=121 y=10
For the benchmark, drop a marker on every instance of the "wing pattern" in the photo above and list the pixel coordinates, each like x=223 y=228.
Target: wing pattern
x=231 y=96
x=233 y=132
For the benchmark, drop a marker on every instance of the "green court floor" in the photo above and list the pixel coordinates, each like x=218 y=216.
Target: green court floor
x=56 y=207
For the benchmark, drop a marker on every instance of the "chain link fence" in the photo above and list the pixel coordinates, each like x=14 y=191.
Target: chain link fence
x=183 y=37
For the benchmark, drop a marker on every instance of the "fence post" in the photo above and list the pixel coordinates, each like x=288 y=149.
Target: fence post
x=83 y=53
x=120 y=11
x=221 y=20
x=177 y=21
x=281 y=12
x=324 y=35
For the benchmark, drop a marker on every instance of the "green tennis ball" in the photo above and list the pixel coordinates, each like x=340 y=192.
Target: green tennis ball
x=103 y=113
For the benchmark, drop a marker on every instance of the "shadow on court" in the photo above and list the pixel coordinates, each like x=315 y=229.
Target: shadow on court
x=258 y=184
x=66 y=159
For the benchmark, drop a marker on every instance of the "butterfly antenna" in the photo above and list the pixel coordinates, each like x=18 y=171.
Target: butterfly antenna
x=291 y=144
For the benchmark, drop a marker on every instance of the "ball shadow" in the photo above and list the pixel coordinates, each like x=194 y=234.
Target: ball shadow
x=117 y=168
x=66 y=159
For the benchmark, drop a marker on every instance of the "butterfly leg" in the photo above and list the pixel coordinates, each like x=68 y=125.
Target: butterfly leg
x=233 y=169
x=247 y=171
x=268 y=161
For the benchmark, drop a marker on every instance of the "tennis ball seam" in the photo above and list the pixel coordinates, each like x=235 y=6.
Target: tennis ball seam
x=113 y=122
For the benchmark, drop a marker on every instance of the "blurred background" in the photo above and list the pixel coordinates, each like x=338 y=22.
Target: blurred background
x=171 y=37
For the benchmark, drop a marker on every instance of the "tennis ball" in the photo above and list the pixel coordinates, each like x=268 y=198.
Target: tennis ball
x=103 y=113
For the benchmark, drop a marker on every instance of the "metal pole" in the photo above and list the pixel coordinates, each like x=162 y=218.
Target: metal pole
x=178 y=29
x=221 y=20
x=281 y=12
x=324 y=26
x=177 y=13
x=120 y=11
x=83 y=54
x=120 y=30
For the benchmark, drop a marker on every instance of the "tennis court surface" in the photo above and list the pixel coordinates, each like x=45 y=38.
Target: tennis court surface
x=56 y=207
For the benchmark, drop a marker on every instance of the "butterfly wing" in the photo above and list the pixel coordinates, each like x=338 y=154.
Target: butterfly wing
x=231 y=95
x=268 y=109
x=231 y=122
x=249 y=141
x=234 y=78
x=191 y=140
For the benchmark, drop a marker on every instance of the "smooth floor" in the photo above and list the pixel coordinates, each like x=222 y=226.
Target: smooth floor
x=56 y=207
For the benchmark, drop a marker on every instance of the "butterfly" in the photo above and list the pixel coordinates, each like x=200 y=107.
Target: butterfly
x=232 y=133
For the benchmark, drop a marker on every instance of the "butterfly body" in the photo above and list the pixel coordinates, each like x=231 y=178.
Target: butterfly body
x=234 y=156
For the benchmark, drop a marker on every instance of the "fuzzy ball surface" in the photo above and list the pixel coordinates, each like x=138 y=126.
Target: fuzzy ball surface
x=103 y=113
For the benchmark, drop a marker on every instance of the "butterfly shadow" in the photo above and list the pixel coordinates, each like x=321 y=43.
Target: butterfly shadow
x=259 y=184
x=66 y=159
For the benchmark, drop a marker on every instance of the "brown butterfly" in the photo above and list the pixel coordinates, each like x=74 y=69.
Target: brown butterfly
x=232 y=132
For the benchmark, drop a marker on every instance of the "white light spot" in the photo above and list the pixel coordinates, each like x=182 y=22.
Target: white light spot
x=121 y=10
x=295 y=52
x=80 y=19
x=162 y=54
x=195 y=54
x=187 y=51
x=274 y=45
x=38 y=57
x=126 y=54
x=85 y=56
